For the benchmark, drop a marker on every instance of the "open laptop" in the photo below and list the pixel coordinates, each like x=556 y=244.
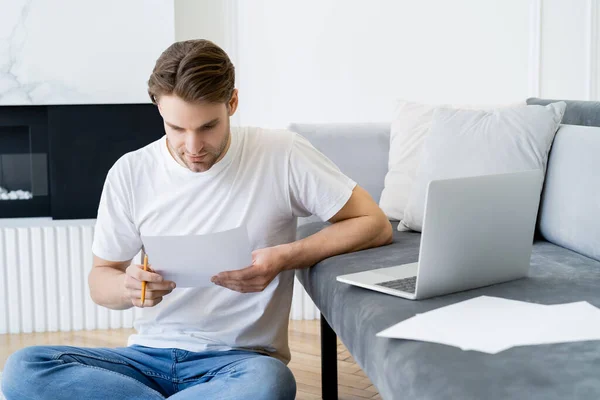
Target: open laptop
x=477 y=231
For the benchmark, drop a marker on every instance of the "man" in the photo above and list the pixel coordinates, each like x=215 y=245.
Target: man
x=228 y=341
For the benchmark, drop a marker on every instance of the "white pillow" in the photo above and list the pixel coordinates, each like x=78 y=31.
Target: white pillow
x=410 y=124
x=476 y=142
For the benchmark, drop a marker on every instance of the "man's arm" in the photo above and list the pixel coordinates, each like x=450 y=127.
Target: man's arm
x=106 y=281
x=359 y=225
x=117 y=285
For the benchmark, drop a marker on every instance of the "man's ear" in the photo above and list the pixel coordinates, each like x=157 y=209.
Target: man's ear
x=233 y=102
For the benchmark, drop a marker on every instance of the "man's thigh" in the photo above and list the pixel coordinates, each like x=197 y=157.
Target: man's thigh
x=126 y=361
x=241 y=376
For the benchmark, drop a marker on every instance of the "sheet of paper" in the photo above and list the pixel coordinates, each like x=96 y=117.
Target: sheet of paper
x=464 y=325
x=487 y=323
x=191 y=260
x=491 y=324
x=572 y=322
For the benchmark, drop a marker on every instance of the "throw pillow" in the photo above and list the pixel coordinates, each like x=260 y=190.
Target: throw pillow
x=477 y=142
x=410 y=125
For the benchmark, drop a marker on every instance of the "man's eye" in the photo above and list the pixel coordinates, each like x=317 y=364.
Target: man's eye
x=209 y=127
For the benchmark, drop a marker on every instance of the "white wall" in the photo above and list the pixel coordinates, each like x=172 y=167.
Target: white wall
x=72 y=51
x=569 y=34
x=201 y=19
x=212 y=20
x=347 y=60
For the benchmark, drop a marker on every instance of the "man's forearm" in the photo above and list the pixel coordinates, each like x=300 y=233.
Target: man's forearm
x=107 y=288
x=342 y=237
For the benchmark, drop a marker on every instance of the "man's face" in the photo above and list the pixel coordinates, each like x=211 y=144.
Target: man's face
x=198 y=134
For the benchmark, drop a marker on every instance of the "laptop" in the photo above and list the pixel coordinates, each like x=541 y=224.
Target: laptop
x=477 y=231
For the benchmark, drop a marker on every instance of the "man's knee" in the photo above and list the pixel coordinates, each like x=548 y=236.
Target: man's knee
x=23 y=360
x=21 y=366
x=273 y=379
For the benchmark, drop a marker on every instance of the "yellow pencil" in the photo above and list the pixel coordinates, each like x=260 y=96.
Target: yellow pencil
x=144 y=282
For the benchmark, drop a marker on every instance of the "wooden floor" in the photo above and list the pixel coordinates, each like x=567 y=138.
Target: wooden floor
x=304 y=344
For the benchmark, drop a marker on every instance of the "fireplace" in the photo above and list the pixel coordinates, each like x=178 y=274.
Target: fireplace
x=15 y=163
x=24 y=190
x=54 y=159
x=23 y=175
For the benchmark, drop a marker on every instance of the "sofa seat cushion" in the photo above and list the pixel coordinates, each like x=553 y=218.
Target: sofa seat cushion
x=422 y=370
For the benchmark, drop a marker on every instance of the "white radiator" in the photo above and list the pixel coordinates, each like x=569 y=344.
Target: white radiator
x=43 y=280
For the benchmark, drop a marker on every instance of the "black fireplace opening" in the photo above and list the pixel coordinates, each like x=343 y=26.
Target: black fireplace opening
x=23 y=175
x=54 y=159
x=24 y=186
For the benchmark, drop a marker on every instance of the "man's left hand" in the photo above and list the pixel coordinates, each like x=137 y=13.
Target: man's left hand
x=266 y=264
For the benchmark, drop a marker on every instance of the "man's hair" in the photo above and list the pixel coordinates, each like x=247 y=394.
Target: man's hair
x=194 y=70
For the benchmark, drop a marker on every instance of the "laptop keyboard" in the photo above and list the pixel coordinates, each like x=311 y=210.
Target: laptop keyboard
x=404 y=285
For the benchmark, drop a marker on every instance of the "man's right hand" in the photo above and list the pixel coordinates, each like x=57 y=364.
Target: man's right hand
x=156 y=286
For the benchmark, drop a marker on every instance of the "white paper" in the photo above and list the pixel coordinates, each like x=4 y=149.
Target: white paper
x=572 y=322
x=492 y=324
x=191 y=260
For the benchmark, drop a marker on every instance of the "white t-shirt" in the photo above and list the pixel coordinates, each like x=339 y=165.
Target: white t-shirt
x=265 y=181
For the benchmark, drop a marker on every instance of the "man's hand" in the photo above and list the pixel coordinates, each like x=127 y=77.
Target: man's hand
x=156 y=286
x=266 y=264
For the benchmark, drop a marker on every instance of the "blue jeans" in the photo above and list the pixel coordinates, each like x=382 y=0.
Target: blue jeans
x=137 y=372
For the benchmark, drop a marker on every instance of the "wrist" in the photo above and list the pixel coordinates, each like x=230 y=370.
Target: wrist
x=290 y=255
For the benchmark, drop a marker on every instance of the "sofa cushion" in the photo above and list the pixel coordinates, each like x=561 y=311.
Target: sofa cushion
x=410 y=125
x=422 y=370
x=359 y=150
x=570 y=206
x=465 y=142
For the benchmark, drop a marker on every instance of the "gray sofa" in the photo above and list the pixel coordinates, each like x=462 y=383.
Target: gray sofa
x=565 y=267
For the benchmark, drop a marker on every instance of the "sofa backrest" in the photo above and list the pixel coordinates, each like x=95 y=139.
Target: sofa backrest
x=585 y=113
x=359 y=150
x=570 y=207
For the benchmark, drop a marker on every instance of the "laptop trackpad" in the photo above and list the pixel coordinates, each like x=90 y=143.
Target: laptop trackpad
x=383 y=274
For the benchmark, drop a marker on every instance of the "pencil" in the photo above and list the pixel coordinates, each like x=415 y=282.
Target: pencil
x=144 y=282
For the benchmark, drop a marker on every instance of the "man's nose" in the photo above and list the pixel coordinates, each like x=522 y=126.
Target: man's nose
x=193 y=143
